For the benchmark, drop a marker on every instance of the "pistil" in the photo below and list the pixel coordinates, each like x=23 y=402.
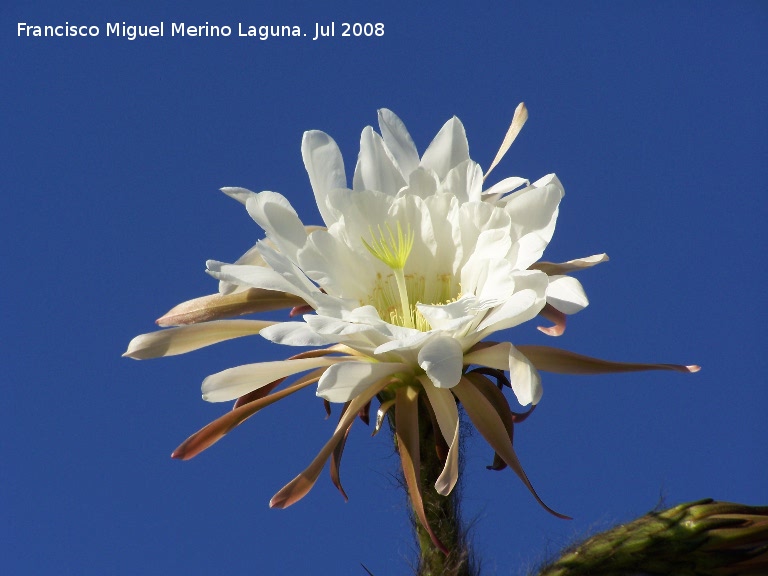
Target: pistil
x=393 y=250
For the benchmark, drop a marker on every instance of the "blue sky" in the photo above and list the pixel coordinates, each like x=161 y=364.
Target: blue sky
x=653 y=115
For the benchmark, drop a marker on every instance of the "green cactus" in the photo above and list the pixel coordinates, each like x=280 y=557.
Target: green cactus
x=703 y=538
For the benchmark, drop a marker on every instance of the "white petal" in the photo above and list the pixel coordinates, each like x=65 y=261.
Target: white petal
x=239 y=194
x=276 y=216
x=527 y=301
x=525 y=379
x=325 y=166
x=464 y=181
x=422 y=183
x=358 y=213
x=320 y=330
x=286 y=268
x=444 y=405
x=376 y=169
x=444 y=211
x=361 y=336
x=362 y=314
x=566 y=294
x=496 y=356
x=486 y=231
x=491 y=281
x=553 y=268
x=452 y=316
x=327 y=260
x=399 y=142
x=187 y=338
x=447 y=416
x=519 y=118
x=448 y=149
x=295 y=334
x=241 y=380
x=442 y=358
x=533 y=212
x=504 y=186
x=404 y=341
x=251 y=257
x=255 y=277
x=342 y=382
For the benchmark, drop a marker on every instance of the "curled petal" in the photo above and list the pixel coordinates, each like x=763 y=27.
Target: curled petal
x=441 y=446
x=500 y=404
x=336 y=457
x=300 y=310
x=488 y=422
x=564 y=362
x=447 y=416
x=381 y=413
x=525 y=380
x=407 y=431
x=297 y=488
x=365 y=414
x=552 y=268
x=495 y=356
x=217 y=429
x=556 y=317
x=184 y=339
x=566 y=294
x=217 y=306
x=501 y=378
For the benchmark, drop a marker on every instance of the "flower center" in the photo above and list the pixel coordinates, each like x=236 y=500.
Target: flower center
x=395 y=295
x=394 y=251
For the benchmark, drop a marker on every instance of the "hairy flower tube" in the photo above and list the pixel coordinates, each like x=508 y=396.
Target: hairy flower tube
x=415 y=268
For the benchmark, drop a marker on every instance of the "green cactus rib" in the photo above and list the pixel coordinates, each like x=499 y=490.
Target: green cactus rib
x=702 y=538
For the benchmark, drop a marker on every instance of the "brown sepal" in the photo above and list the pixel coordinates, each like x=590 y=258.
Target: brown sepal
x=217 y=306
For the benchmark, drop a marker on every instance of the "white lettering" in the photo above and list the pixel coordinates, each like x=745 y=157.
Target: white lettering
x=67 y=30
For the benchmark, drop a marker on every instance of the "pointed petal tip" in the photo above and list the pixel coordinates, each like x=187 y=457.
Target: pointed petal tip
x=278 y=502
x=182 y=452
x=552 y=330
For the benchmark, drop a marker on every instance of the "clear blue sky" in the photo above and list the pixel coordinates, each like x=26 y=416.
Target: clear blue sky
x=653 y=115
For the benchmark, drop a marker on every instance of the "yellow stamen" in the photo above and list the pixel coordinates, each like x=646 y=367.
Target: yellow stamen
x=394 y=252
